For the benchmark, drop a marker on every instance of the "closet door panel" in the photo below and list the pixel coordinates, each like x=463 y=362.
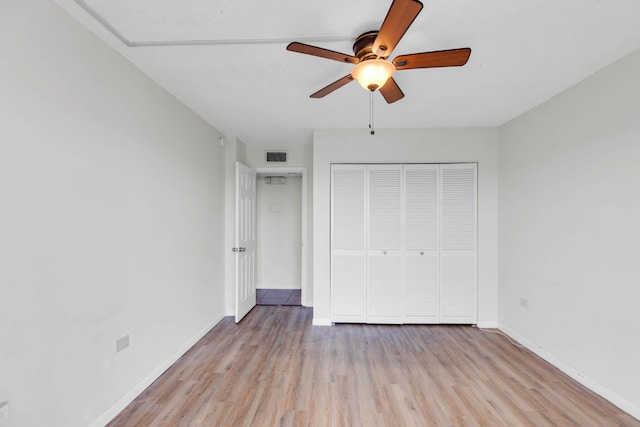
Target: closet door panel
x=384 y=236
x=384 y=300
x=348 y=288
x=348 y=252
x=421 y=303
x=348 y=207
x=457 y=298
x=421 y=199
x=458 y=275
x=384 y=210
x=421 y=244
x=458 y=207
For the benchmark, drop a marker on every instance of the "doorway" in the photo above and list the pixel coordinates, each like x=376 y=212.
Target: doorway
x=281 y=223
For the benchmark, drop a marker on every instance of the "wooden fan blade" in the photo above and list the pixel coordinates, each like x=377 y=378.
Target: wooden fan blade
x=391 y=91
x=401 y=15
x=441 y=58
x=321 y=52
x=333 y=86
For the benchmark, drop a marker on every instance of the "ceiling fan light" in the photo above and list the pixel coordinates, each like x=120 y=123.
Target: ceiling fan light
x=372 y=74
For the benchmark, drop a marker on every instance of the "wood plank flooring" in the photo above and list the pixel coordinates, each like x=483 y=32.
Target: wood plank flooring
x=275 y=369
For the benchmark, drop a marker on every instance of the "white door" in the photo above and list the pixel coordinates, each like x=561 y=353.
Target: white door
x=245 y=246
x=421 y=292
x=348 y=260
x=384 y=251
x=458 y=235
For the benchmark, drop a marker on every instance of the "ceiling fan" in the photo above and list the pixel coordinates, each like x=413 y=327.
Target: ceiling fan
x=371 y=49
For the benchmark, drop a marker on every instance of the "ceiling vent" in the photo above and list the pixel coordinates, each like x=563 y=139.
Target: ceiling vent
x=275 y=157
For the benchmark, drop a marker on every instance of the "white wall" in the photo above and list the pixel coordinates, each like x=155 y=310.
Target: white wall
x=570 y=229
x=110 y=221
x=409 y=146
x=278 y=217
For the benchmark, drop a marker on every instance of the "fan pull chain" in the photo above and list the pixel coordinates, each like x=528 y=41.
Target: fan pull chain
x=373 y=132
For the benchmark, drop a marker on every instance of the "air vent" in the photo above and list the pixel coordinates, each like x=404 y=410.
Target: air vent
x=275 y=156
x=275 y=180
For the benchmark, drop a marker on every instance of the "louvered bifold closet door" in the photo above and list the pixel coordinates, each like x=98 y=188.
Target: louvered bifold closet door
x=421 y=299
x=458 y=243
x=384 y=213
x=348 y=256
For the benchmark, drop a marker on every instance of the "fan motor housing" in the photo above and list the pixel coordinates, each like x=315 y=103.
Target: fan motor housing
x=363 y=46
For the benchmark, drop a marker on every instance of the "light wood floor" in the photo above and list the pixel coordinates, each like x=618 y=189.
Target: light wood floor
x=275 y=369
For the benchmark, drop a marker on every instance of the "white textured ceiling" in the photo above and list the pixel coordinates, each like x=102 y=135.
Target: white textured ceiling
x=227 y=60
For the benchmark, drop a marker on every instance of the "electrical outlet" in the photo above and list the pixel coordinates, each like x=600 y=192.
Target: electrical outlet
x=4 y=412
x=524 y=302
x=122 y=343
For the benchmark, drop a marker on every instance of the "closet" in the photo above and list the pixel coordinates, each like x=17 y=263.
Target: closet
x=403 y=243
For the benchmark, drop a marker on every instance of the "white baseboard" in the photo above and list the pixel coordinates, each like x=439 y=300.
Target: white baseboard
x=321 y=322
x=125 y=400
x=289 y=286
x=592 y=385
x=487 y=324
x=231 y=312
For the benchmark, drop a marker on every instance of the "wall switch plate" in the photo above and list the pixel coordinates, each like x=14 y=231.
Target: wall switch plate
x=122 y=343
x=524 y=302
x=4 y=412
